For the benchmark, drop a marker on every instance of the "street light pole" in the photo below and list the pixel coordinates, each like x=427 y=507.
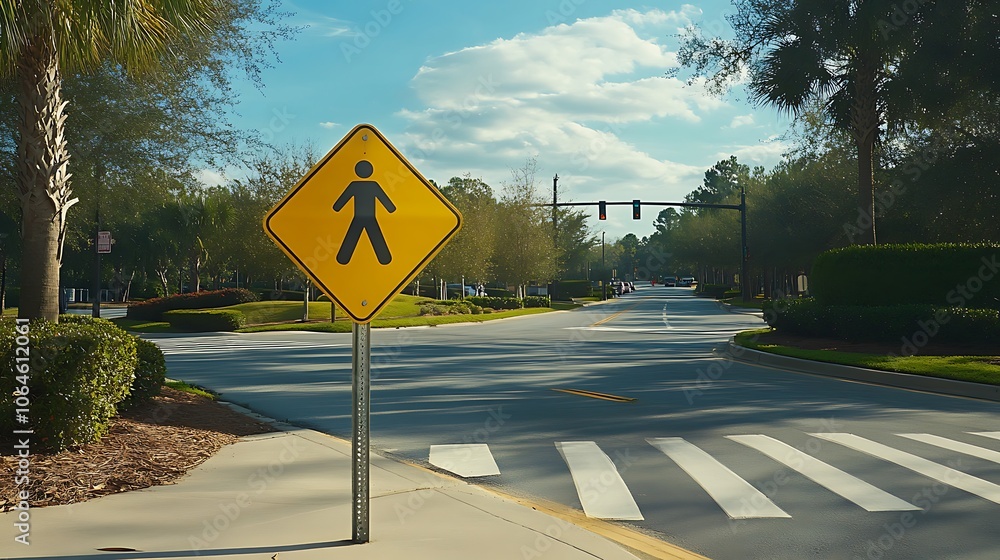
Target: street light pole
x=604 y=286
x=744 y=274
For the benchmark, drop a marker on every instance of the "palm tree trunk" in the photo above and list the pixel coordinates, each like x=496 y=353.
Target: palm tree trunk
x=865 y=123
x=43 y=179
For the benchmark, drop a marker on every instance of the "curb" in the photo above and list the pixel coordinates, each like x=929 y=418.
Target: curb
x=876 y=377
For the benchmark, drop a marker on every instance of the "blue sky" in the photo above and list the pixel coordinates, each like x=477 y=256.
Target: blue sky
x=479 y=87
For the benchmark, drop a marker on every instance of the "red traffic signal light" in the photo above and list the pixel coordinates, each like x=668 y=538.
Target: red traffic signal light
x=636 y=205
x=602 y=210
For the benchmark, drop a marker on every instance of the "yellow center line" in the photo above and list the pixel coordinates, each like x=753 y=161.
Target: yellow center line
x=596 y=395
x=616 y=315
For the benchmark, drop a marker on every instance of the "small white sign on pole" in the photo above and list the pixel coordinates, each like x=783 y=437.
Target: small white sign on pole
x=104 y=242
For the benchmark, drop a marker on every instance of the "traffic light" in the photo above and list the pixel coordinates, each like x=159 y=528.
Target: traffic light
x=635 y=209
x=602 y=210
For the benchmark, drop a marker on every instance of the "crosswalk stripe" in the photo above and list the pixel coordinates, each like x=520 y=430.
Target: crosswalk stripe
x=994 y=435
x=465 y=460
x=930 y=469
x=837 y=481
x=737 y=497
x=600 y=487
x=952 y=445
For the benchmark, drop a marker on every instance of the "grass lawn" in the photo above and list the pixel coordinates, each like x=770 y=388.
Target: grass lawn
x=396 y=322
x=978 y=369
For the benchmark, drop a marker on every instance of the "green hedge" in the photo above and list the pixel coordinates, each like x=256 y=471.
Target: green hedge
x=716 y=291
x=275 y=295
x=496 y=302
x=952 y=275
x=809 y=317
x=78 y=372
x=205 y=320
x=537 y=301
x=153 y=309
x=150 y=374
x=565 y=290
x=499 y=292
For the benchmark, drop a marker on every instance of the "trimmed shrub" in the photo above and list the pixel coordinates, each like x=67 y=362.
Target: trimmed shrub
x=499 y=292
x=78 y=371
x=953 y=275
x=537 y=301
x=150 y=374
x=896 y=323
x=496 y=302
x=565 y=290
x=153 y=309
x=205 y=320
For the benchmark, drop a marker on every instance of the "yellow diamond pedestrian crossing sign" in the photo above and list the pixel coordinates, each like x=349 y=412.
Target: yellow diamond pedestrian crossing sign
x=362 y=223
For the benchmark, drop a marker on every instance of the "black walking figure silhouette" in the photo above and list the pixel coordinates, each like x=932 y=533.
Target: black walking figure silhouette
x=364 y=193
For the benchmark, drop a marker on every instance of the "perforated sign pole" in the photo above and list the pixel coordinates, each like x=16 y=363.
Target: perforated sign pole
x=361 y=357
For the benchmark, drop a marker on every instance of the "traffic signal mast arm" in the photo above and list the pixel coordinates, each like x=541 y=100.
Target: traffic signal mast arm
x=629 y=203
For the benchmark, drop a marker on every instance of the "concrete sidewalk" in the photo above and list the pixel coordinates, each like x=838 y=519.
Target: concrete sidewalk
x=286 y=496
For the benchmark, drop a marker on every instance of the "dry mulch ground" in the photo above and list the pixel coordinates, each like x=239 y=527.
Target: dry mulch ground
x=154 y=444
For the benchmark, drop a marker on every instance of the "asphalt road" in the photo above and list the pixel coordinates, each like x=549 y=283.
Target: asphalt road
x=730 y=460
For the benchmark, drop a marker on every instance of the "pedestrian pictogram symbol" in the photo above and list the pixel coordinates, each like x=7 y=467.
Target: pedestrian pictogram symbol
x=365 y=195
x=362 y=223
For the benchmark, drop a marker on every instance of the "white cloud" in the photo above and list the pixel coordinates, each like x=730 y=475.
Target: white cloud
x=563 y=94
x=766 y=153
x=329 y=124
x=742 y=120
x=210 y=178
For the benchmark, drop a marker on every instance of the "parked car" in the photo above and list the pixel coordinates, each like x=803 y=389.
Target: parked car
x=686 y=281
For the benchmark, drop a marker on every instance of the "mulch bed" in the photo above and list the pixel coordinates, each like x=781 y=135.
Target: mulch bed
x=154 y=444
x=931 y=349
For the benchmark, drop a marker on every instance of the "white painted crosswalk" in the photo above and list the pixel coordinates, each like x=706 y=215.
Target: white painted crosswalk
x=737 y=497
x=603 y=492
x=928 y=468
x=599 y=485
x=833 y=479
x=466 y=460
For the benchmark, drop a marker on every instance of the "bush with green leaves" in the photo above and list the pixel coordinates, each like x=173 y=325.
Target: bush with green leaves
x=952 y=275
x=205 y=320
x=537 y=301
x=894 y=323
x=565 y=290
x=78 y=372
x=153 y=309
x=150 y=374
x=496 y=302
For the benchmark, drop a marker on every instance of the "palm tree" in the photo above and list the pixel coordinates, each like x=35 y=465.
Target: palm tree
x=834 y=52
x=842 y=54
x=39 y=41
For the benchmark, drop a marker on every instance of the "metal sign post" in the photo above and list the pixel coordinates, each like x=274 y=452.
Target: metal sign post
x=360 y=390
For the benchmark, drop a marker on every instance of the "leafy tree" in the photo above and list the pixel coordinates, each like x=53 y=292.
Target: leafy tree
x=524 y=246
x=40 y=41
x=470 y=253
x=721 y=181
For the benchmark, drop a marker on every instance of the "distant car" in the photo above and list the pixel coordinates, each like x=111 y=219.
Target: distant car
x=670 y=281
x=686 y=282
